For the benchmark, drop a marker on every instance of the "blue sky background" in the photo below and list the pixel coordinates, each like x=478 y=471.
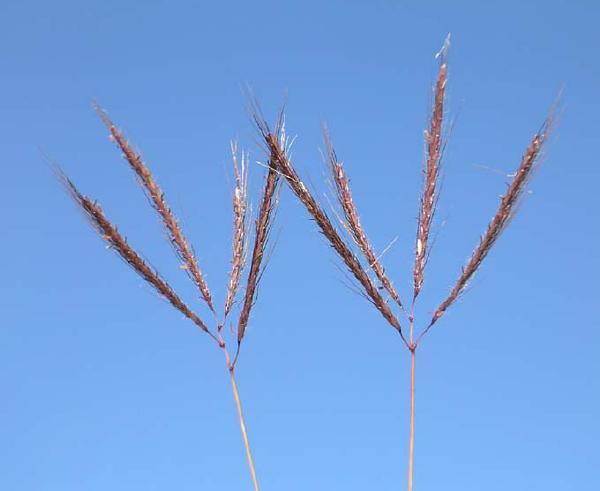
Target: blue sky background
x=106 y=387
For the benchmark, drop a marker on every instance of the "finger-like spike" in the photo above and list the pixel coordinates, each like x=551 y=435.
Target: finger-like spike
x=352 y=219
x=263 y=225
x=433 y=146
x=501 y=219
x=119 y=244
x=240 y=207
x=157 y=199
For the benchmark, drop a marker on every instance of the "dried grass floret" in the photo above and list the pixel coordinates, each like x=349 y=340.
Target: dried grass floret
x=157 y=199
x=240 y=208
x=501 y=219
x=433 y=146
x=263 y=225
x=352 y=221
x=119 y=244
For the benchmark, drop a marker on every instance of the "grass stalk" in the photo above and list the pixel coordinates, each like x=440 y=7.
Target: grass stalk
x=243 y=429
x=411 y=433
x=240 y=411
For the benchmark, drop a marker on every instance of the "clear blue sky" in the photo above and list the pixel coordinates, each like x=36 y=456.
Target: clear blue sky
x=106 y=387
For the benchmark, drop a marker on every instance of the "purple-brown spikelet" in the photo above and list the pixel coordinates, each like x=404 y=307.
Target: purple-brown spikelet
x=261 y=235
x=240 y=207
x=500 y=220
x=157 y=199
x=284 y=166
x=433 y=145
x=119 y=244
x=352 y=219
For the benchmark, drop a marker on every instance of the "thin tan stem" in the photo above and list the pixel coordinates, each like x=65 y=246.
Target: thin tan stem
x=411 y=437
x=238 y=405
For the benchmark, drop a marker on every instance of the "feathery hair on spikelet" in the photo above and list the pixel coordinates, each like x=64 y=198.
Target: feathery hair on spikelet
x=263 y=224
x=240 y=207
x=433 y=145
x=352 y=219
x=500 y=220
x=118 y=243
x=284 y=166
x=157 y=198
